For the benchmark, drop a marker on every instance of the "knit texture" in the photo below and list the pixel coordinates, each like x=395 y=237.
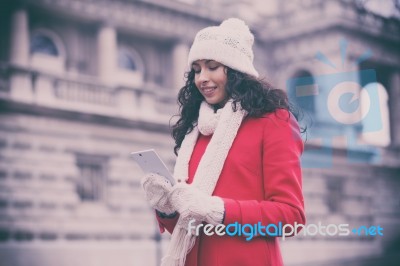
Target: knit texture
x=230 y=43
x=208 y=120
x=206 y=176
x=193 y=204
x=157 y=188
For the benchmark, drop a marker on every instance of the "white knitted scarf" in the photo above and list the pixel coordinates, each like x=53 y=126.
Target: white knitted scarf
x=224 y=125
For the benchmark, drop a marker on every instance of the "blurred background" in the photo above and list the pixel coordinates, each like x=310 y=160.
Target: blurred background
x=85 y=82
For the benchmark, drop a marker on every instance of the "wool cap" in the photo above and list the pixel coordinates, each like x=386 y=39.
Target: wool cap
x=230 y=43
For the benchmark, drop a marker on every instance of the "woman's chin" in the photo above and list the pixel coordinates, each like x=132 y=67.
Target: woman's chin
x=217 y=103
x=212 y=101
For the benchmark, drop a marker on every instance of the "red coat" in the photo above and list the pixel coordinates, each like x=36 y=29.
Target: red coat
x=260 y=182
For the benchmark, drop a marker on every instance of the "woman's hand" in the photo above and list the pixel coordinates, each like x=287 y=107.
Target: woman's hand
x=157 y=189
x=191 y=203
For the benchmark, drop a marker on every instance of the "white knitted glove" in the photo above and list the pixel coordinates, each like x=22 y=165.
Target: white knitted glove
x=157 y=189
x=191 y=203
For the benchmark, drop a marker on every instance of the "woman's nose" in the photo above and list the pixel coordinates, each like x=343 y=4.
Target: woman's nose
x=203 y=76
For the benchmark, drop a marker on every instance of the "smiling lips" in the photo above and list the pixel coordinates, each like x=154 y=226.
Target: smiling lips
x=208 y=91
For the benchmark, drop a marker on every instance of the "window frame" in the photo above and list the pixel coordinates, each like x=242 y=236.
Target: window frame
x=98 y=191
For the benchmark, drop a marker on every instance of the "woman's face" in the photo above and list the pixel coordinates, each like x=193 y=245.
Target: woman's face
x=210 y=79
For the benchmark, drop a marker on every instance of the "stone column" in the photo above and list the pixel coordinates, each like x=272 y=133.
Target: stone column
x=108 y=73
x=19 y=54
x=73 y=43
x=107 y=53
x=147 y=106
x=127 y=102
x=394 y=108
x=20 y=82
x=179 y=62
x=44 y=88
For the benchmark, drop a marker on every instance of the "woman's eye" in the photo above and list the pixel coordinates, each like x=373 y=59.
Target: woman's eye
x=213 y=67
x=197 y=71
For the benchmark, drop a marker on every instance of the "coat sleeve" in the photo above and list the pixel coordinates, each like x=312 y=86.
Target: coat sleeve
x=282 y=180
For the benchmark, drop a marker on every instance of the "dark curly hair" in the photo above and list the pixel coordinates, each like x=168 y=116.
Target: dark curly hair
x=262 y=98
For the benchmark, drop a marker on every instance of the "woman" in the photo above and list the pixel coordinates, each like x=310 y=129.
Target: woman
x=238 y=160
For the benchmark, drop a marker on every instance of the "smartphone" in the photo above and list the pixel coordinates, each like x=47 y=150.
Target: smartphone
x=150 y=162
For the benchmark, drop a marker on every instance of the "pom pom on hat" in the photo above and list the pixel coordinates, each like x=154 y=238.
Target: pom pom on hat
x=230 y=44
x=234 y=23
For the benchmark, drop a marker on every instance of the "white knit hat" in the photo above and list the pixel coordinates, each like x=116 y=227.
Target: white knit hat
x=229 y=43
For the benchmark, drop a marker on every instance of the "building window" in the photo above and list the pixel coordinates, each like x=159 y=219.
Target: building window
x=47 y=52
x=129 y=59
x=334 y=196
x=130 y=68
x=41 y=43
x=303 y=91
x=126 y=61
x=93 y=174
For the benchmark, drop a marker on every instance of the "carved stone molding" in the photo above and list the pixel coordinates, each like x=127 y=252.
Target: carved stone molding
x=159 y=21
x=329 y=14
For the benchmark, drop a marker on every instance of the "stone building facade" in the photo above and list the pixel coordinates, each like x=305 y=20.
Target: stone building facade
x=83 y=83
